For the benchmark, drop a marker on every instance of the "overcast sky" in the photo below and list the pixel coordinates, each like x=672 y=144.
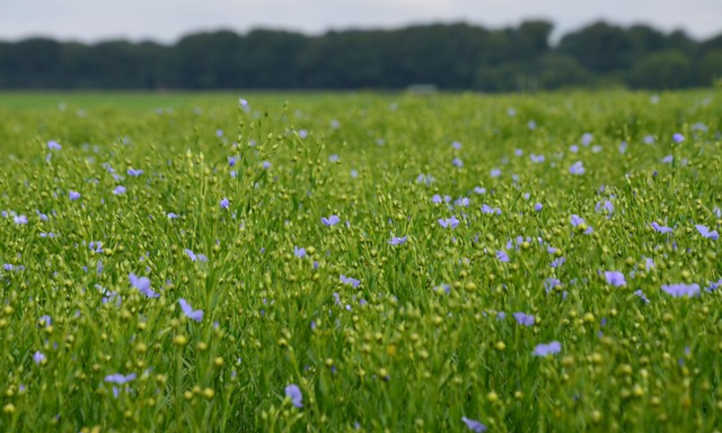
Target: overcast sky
x=166 y=20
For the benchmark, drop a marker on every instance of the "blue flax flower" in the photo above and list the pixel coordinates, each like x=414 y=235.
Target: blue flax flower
x=192 y=314
x=706 y=232
x=640 y=294
x=350 y=281
x=332 y=220
x=96 y=246
x=451 y=222
x=536 y=158
x=524 y=319
x=119 y=378
x=195 y=257
x=547 y=349
x=397 y=240
x=681 y=289
x=293 y=392
x=474 y=425
x=615 y=278
x=558 y=262
x=607 y=207
x=488 y=210
x=576 y=220
x=143 y=285
x=714 y=285
x=551 y=283
x=661 y=228
x=577 y=168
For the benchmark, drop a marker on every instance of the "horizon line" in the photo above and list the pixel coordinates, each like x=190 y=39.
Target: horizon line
x=554 y=36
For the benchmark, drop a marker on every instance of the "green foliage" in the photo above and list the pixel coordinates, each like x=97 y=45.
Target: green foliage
x=710 y=68
x=507 y=77
x=420 y=342
x=558 y=70
x=663 y=70
x=448 y=56
x=600 y=47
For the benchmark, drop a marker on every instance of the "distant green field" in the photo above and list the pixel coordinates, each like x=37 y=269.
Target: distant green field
x=331 y=262
x=132 y=100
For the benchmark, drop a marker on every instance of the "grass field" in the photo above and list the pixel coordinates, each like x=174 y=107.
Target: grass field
x=327 y=262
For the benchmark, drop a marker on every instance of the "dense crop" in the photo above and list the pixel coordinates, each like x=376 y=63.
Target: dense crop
x=361 y=262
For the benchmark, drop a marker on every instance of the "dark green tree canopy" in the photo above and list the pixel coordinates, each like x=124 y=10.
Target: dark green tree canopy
x=448 y=56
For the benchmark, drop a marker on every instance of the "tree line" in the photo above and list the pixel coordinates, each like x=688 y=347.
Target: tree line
x=448 y=56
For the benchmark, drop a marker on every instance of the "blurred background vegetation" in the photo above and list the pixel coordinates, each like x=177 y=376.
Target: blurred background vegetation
x=446 y=56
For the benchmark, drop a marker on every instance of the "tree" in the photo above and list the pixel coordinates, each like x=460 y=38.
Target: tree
x=559 y=70
x=710 y=68
x=270 y=59
x=209 y=60
x=600 y=47
x=662 y=70
x=32 y=63
x=449 y=56
x=507 y=77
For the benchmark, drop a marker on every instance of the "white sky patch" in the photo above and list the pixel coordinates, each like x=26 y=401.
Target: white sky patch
x=167 y=20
